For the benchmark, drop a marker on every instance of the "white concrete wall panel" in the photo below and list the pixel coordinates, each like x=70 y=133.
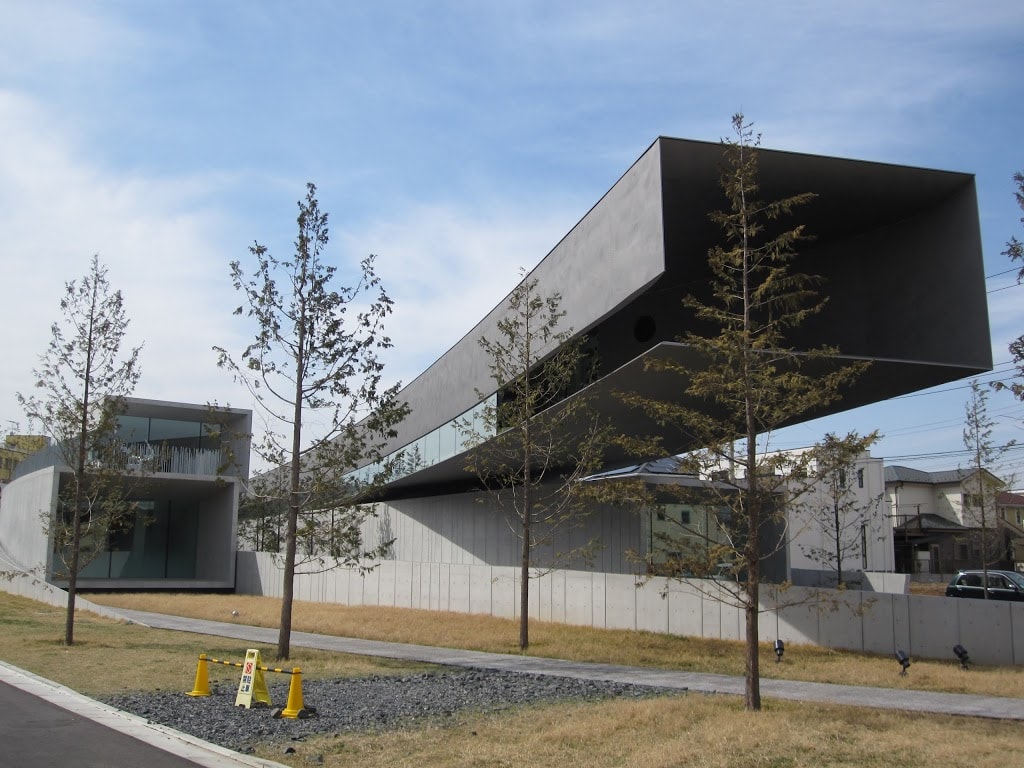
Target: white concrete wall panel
x=685 y=616
x=651 y=606
x=504 y=584
x=557 y=601
x=600 y=586
x=1017 y=631
x=901 y=626
x=578 y=604
x=877 y=622
x=986 y=630
x=371 y=587
x=933 y=627
x=620 y=602
x=926 y=627
x=795 y=623
x=404 y=579
x=834 y=610
x=479 y=589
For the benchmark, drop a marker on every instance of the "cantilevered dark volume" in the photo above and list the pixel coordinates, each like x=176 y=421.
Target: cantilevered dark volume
x=899 y=249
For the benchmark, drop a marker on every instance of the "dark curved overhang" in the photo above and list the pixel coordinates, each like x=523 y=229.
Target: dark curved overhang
x=898 y=250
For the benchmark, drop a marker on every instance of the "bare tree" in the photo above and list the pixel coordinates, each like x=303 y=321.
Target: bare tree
x=1015 y=252
x=828 y=499
x=536 y=438
x=315 y=375
x=983 y=485
x=84 y=379
x=749 y=382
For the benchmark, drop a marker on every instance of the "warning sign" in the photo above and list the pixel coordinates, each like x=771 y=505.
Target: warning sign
x=253 y=686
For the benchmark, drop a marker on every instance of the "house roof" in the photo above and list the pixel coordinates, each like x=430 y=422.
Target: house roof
x=898 y=474
x=669 y=465
x=664 y=471
x=1007 y=499
x=929 y=523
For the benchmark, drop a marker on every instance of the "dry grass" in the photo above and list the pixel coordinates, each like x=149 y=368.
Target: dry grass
x=112 y=657
x=682 y=731
x=486 y=633
x=930 y=588
x=689 y=730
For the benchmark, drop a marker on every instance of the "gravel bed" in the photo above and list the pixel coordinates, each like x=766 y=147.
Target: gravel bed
x=361 y=704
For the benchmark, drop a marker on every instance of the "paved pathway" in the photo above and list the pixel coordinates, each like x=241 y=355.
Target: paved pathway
x=43 y=724
x=879 y=698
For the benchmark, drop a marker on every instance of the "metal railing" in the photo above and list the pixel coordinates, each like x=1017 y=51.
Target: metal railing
x=138 y=457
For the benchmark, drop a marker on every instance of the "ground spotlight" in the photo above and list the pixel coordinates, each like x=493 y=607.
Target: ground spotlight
x=904 y=661
x=780 y=648
x=961 y=653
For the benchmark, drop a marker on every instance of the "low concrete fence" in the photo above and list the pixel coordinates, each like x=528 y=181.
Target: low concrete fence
x=872 y=622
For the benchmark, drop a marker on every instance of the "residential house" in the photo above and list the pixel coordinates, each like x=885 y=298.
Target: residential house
x=941 y=520
x=1010 y=509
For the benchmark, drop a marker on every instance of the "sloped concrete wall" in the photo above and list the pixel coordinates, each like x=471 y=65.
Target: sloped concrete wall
x=926 y=627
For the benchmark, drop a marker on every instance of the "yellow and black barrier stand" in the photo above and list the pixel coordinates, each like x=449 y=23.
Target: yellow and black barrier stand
x=253 y=686
x=201 y=687
x=295 y=706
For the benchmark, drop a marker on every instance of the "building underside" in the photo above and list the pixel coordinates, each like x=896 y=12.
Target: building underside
x=898 y=249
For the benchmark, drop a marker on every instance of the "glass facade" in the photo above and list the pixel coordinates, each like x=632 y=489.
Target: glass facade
x=159 y=543
x=161 y=540
x=192 y=435
x=441 y=444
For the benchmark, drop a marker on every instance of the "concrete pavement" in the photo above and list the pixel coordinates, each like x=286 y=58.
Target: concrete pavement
x=46 y=724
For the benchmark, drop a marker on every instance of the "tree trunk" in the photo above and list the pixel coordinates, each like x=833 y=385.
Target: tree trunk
x=524 y=575
x=76 y=543
x=284 y=636
x=752 y=694
x=839 y=547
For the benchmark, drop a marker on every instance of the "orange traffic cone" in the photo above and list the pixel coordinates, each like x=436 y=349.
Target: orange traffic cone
x=295 y=706
x=201 y=687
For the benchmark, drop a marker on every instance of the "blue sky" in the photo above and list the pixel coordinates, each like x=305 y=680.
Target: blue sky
x=459 y=141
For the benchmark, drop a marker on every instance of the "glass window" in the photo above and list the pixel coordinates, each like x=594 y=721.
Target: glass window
x=429 y=448
x=133 y=429
x=182 y=434
x=1016 y=578
x=446 y=441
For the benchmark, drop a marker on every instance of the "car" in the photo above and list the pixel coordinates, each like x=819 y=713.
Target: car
x=1002 y=585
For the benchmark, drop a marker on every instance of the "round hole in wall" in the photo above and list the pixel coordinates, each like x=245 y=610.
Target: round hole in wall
x=643 y=329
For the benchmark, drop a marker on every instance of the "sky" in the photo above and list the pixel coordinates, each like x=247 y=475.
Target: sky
x=459 y=141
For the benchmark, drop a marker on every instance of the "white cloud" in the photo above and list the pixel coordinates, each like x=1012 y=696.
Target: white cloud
x=162 y=253
x=446 y=267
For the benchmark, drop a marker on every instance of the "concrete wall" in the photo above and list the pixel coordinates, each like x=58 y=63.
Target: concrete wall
x=611 y=255
x=23 y=507
x=925 y=627
x=466 y=529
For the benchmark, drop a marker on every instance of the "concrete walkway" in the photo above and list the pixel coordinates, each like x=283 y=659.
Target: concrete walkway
x=878 y=698
x=47 y=724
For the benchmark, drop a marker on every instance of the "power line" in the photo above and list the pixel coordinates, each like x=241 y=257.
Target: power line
x=1005 y=287
x=1000 y=274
